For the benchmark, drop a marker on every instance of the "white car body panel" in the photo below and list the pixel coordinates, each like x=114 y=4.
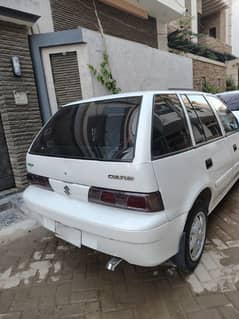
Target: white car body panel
x=173 y=177
x=94 y=172
x=145 y=239
x=142 y=239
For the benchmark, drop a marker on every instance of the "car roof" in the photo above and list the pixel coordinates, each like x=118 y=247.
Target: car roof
x=228 y=93
x=134 y=94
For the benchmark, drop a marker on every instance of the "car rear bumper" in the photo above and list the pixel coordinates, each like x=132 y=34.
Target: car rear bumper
x=140 y=238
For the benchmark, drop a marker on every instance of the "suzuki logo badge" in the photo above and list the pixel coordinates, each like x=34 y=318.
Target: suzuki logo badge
x=67 y=190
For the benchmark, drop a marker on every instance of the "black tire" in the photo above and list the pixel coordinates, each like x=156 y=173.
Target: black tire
x=183 y=260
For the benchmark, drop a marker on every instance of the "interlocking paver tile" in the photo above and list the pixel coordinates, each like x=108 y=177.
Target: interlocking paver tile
x=124 y=314
x=63 y=311
x=156 y=309
x=212 y=300
x=84 y=296
x=229 y=312
x=63 y=294
x=6 y=299
x=206 y=314
x=186 y=299
x=233 y=297
x=13 y=315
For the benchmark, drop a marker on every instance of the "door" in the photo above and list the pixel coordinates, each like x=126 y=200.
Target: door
x=212 y=147
x=6 y=176
x=63 y=68
x=66 y=77
x=231 y=128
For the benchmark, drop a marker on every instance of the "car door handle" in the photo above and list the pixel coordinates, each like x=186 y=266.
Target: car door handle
x=209 y=163
x=235 y=147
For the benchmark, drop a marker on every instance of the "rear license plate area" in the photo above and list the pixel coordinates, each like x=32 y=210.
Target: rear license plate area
x=69 y=234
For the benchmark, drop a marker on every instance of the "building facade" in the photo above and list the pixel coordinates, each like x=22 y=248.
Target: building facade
x=213 y=26
x=218 y=27
x=46 y=46
x=233 y=66
x=19 y=109
x=235 y=27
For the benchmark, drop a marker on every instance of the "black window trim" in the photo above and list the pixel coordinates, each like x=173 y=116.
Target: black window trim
x=206 y=142
x=186 y=149
x=214 y=113
x=199 y=120
x=226 y=134
x=90 y=159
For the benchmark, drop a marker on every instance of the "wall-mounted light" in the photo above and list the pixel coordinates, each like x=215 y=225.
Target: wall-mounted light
x=16 y=66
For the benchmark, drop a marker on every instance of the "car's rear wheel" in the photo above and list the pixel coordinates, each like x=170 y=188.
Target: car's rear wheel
x=193 y=240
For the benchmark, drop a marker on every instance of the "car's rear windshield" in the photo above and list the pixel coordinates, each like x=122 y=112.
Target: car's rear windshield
x=231 y=100
x=100 y=130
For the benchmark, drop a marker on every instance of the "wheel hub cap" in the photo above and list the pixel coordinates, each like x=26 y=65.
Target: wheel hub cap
x=197 y=236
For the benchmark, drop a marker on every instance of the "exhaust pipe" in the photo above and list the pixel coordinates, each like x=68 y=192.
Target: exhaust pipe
x=113 y=263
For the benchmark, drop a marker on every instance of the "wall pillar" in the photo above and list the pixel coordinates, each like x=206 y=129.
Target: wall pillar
x=19 y=103
x=162 y=33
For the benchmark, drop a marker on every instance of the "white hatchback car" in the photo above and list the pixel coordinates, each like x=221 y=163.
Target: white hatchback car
x=135 y=175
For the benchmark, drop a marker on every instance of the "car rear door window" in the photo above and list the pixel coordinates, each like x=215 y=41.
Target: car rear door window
x=227 y=118
x=197 y=128
x=207 y=118
x=170 y=132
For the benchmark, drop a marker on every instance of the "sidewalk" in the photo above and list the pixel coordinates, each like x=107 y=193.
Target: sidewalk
x=43 y=277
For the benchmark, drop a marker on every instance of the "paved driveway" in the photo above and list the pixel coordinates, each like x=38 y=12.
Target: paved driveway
x=43 y=277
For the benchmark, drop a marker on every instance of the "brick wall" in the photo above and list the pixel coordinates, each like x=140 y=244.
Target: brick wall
x=71 y=14
x=212 y=72
x=20 y=123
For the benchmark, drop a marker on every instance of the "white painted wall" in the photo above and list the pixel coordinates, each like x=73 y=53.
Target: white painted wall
x=38 y=7
x=194 y=15
x=137 y=66
x=235 y=27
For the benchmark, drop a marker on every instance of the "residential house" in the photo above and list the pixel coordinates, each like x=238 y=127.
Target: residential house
x=235 y=27
x=233 y=66
x=46 y=47
x=213 y=21
x=219 y=25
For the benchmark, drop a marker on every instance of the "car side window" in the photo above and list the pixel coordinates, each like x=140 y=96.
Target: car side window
x=170 y=132
x=207 y=118
x=227 y=118
x=197 y=128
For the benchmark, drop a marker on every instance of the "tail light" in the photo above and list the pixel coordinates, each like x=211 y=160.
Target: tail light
x=39 y=180
x=151 y=202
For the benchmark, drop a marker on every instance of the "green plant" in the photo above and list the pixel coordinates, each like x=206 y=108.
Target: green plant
x=231 y=86
x=209 y=88
x=104 y=75
x=183 y=40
